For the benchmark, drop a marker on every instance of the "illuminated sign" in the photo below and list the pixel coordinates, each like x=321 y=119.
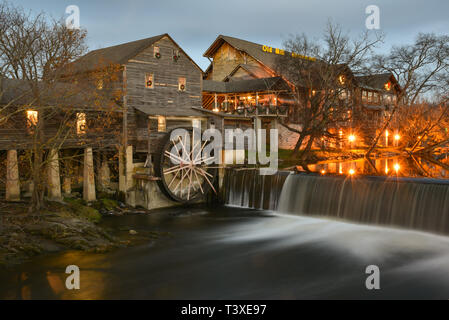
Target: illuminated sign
x=271 y=50
x=282 y=52
x=297 y=55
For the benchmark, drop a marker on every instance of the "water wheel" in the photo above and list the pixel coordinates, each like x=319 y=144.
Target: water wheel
x=184 y=175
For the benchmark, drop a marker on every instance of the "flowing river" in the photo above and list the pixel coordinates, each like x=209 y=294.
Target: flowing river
x=233 y=252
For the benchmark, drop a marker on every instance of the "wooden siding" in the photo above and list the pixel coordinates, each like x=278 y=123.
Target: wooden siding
x=226 y=59
x=103 y=131
x=165 y=98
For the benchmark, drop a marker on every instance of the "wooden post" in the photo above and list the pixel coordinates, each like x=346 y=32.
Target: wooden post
x=148 y=162
x=130 y=192
x=235 y=104
x=54 y=180
x=89 y=176
x=257 y=126
x=122 y=171
x=12 y=177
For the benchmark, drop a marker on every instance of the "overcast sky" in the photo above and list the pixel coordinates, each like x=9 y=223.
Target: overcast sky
x=195 y=24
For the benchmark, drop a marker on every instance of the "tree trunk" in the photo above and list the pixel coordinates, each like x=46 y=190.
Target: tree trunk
x=37 y=199
x=307 y=148
x=376 y=140
x=298 y=145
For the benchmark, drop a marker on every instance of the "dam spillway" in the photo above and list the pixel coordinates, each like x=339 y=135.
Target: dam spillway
x=411 y=203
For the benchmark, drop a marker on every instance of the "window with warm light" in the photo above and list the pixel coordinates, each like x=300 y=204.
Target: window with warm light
x=181 y=84
x=364 y=95
x=81 y=125
x=161 y=124
x=32 y=118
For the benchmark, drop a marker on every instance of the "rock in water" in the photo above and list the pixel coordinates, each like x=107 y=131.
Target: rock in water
x=133 y=232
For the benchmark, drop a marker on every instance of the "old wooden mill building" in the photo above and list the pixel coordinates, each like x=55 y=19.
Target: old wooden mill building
x=155 y=87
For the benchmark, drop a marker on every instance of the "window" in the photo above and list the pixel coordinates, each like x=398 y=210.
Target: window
x=176 y=55
x=364 y=95
x=370 y=96
x=81 y=126
x=182 y=84
x=157 y=54
x=149 y=81
x=161 y=124
x=32 y=117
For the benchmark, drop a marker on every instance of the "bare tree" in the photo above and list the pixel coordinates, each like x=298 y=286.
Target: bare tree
x=36 y=53
x=420 y=69
x=321 y=74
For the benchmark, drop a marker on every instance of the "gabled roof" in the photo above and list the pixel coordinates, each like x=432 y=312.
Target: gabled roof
x=250 y=48
x=254 y=71
x=241 y=86
x=185 y=112
x=376 y=81
x=272 y=60
x=119 y=54
x=19 y=92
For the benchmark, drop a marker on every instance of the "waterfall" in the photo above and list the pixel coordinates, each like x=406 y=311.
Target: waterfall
x=247 y=188
x=420 y=204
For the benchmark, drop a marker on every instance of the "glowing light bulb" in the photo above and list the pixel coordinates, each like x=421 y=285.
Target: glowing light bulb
x=323 y=172
x=397 y=167
x=351 y=138
x=351 y=171
x=397 y=137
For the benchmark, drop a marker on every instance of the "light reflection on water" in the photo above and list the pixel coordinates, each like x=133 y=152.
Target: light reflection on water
x=231 y=253
x=391 y=166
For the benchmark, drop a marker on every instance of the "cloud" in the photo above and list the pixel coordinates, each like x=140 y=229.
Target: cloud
x=195 y=24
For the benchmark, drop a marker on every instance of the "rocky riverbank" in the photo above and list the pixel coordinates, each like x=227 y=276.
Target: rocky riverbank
x=70 y=224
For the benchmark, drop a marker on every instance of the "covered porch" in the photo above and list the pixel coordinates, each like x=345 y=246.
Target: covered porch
x=264 y=97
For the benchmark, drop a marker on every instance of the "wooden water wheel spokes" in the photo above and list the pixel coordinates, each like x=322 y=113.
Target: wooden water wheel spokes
x=185 y=175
